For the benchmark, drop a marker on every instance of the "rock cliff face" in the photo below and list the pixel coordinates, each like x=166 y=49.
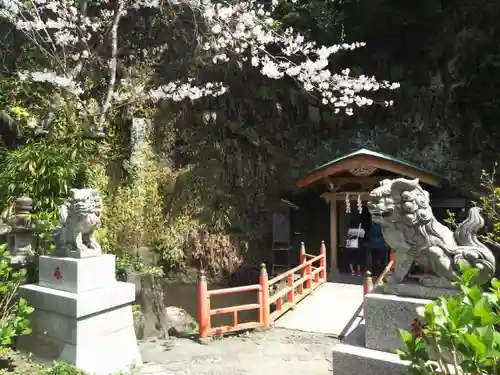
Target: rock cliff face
x=444 y=113
x=253 y=144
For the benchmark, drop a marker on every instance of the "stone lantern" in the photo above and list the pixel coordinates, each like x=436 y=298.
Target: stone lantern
x=20 y=237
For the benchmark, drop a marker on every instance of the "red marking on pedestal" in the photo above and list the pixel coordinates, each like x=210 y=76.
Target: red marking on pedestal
x=57 y=273
x=416 y=328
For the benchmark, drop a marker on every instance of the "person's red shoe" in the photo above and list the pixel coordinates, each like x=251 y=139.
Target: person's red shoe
x=359 y=273
x=353 y=273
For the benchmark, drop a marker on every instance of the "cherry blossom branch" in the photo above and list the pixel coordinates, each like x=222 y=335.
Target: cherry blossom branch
x=232 y=31
x=112 y=67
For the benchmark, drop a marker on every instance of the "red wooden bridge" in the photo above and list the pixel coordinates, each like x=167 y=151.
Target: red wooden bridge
x=333 y=308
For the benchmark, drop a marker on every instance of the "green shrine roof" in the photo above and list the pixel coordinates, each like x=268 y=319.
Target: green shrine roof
x=376 y=159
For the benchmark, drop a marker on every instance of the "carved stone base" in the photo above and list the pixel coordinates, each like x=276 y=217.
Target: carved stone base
x=76 y=275
x=416 y=290
x=19 y=260
x=82 y=315
x=83 y=254
x=353 y=359
x=432 y=281
x=385 y=315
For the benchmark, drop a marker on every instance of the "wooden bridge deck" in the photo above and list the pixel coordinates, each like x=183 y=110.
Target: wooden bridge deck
x=334 y=309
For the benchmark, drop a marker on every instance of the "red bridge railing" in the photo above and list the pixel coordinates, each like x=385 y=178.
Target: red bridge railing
x=300 y=281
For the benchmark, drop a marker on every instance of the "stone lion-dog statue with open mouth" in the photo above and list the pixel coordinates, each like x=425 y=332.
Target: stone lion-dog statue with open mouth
x=402 y=208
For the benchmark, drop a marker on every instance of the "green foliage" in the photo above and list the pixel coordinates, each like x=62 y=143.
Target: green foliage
x=44 y=222
x=62 y=368
x=459 y=332
x=450 y=219
x=27 y=366
x=142 y=233
x=24 y=102
x=44 y=170
x=490 y=204
x=228 y=160
x=134 y=263
x=133 y=220
x=22 y=116
x=14 y=311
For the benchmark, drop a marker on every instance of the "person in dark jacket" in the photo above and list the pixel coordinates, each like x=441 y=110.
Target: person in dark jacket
x=378 y=249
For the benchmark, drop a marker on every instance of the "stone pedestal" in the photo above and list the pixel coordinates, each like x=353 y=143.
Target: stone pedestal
x=371 y=347
x=350 y=359
x=82 y=315
x=385 y=314
x=415 y=290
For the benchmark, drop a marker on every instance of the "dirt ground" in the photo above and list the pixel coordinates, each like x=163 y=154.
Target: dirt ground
x=276 y=352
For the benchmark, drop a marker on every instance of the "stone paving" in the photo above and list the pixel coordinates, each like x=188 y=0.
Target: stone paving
x=276 y=351
x=333 y=308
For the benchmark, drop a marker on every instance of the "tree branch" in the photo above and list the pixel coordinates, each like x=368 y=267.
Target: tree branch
x=112 y=63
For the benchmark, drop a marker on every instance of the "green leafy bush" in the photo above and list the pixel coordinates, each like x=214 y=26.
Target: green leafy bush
x=134 y=263
x=133 y=219
x=62 y=368
x=44 y=170
x=490 y=203
x=45 y=222
x=14 y=311
x=26 y=365
x=458 y=332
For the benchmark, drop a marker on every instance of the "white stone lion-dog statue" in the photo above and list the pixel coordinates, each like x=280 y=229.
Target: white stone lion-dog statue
x=80 y=217
x=402 y=208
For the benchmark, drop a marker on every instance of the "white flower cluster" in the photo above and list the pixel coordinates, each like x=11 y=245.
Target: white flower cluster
x=53 y=78
x=246 y=25
x=178 y=91
x=54 y=23
x=130 y=91
x=64 y=32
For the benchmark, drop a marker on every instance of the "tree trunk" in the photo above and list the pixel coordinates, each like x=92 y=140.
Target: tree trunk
x=153 y=306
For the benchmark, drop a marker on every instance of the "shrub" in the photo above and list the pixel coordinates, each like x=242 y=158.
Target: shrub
x=14 y=311
x=218 y=253
x=61 y=368
x=44 y=170
x=27 y=366
x=461 y=331
x=135 y=226
x=490 y=204
x=134 y=263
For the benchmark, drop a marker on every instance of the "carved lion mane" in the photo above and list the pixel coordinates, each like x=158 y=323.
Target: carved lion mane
x=402 y=208
x=79 y=220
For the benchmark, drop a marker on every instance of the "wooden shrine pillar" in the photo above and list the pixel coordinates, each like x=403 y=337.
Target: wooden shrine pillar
x=333 y=236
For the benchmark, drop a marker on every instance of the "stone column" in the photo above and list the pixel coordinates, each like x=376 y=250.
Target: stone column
x=139 y=134
x=20 y=237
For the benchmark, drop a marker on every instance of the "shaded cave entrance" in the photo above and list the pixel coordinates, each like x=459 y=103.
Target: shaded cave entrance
x=319 y=211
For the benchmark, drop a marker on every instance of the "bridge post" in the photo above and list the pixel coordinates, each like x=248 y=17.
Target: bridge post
x=302 y=260
x=289 y=283
x=322 y=262
x=367 y=288
x=203 y=305
x=308 y=275
x=264 y=300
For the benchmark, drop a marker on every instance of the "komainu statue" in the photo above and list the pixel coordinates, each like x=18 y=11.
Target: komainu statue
x=79 y=221
x=402 y=208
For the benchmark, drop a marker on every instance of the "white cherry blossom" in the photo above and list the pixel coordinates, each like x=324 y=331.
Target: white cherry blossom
x=64 y=32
